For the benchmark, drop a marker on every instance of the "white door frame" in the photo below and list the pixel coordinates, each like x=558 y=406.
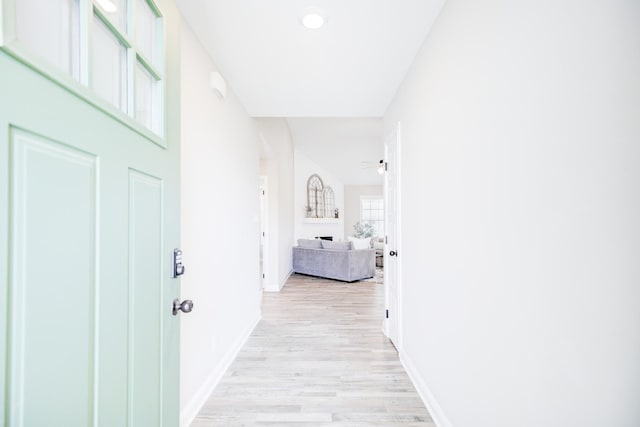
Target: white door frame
x=398 y=238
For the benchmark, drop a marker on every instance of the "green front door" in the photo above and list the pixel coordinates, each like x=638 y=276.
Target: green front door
x=89 y=217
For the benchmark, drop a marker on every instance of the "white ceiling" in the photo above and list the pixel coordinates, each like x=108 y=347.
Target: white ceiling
x=349 y=70
x=352 y=67
x=341 y=146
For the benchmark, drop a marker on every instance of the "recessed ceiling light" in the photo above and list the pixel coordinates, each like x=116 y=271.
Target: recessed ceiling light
x=313 y=21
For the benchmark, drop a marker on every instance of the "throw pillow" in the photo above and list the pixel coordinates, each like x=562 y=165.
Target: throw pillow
x=360 y=243
x=310 y=243
x=343 y=246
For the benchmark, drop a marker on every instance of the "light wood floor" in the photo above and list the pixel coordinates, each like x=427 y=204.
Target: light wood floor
x=318 y=358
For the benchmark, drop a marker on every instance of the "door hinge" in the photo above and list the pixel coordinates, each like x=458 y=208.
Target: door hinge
x=263 y=234
x=386 y=240
x=263 y=192
x=386 y=166
x=387 y=314
x=263 y=275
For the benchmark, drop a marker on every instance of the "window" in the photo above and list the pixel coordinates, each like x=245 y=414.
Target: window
x=116 y=12
x=148 y=96
x=51 y=30
x=147 y=100
x=147 y=32
x=372 y=211
x=115 y=48
x=109 y=65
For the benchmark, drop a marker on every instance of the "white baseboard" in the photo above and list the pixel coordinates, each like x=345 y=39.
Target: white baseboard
x=428 y=398
x=192 y=408
x=283 y=282
x=277 y=287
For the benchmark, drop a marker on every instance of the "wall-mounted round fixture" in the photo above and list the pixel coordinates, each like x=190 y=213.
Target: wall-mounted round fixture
x=313 y=19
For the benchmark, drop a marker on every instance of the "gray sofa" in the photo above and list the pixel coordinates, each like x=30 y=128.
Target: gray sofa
x=333 y=260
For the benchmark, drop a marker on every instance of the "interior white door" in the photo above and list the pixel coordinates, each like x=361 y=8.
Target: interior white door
x=391 y=260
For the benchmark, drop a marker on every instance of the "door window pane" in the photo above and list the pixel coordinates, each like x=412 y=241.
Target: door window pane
x=109 y=66
x=147 y=99
x=50 y=29
x=147 y=35
x=115 y=11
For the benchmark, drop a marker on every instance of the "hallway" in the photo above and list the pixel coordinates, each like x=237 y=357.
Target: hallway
x=317 y=358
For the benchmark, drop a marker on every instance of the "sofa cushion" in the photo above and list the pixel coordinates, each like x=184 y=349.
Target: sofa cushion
x=360 y=243
x=343 y=246
x=310 y=243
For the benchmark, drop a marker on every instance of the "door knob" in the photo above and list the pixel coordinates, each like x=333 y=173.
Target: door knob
x=185 y=306
x=393 y=253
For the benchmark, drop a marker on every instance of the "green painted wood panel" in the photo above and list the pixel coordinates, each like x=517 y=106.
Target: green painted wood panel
x=54 y=198
x=145 y=298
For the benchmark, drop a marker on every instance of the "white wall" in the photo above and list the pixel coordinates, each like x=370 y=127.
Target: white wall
x=277 y=165
x=303 y=169
x=521 y=214
x=220 y=227
x=352 y=194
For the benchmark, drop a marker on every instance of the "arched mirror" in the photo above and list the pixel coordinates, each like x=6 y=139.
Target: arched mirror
x=329 y=202
x=315 y=197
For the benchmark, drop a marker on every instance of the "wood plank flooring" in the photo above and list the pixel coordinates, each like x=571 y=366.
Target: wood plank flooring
x=317 y=358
